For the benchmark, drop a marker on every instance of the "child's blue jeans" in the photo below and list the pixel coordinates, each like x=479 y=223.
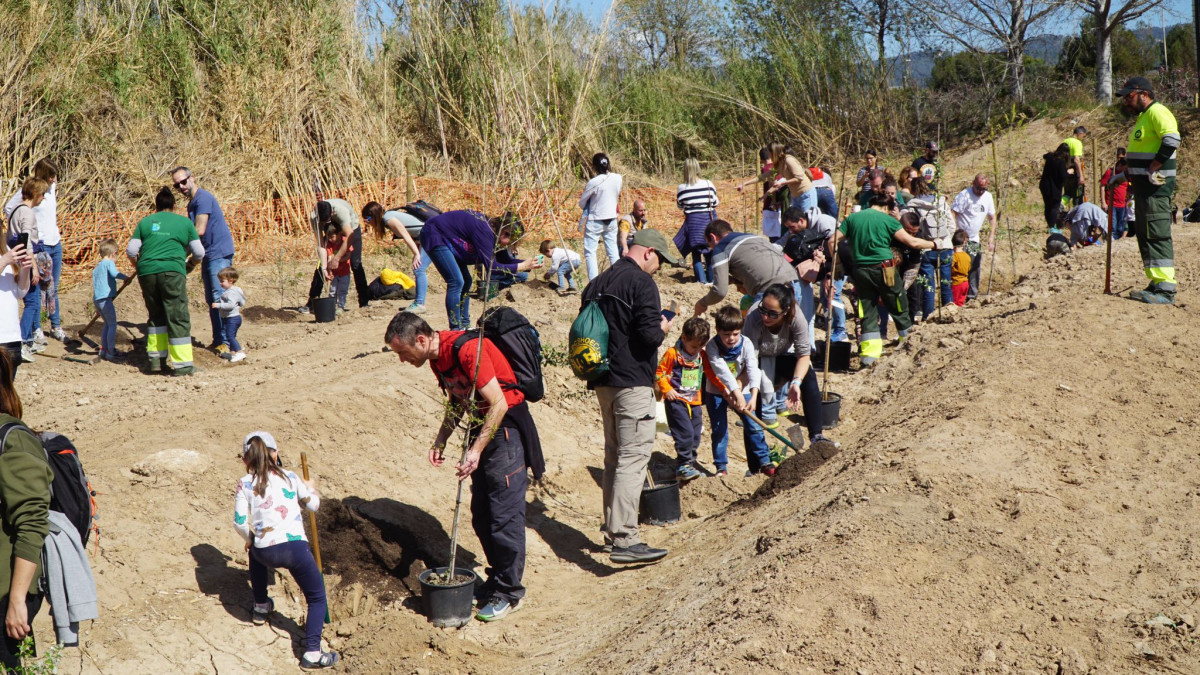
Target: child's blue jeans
x=232 y=324
x=295 y=557
x=757 y=453
x=108 y=334
x=566 y=271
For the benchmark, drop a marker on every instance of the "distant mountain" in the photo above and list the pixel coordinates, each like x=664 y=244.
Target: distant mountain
x=1046 y=47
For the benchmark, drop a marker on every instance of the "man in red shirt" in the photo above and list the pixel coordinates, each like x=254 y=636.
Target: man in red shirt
x=1113 y=199
x=480 y=383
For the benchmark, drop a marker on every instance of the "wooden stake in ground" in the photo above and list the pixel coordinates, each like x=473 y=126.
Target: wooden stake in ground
x=832 y=292
x=316 y=538
x=1108 y=252
x=999 y=213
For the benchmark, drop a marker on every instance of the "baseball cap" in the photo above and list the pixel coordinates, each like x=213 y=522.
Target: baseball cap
x=653 y=239
x=267 y=439
x=324 y=212
x=1136 y=84
x=932 y=145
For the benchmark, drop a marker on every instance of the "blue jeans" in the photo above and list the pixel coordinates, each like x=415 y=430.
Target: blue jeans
x=942 y=259
x=566 y=275
x=55 y=252
x=1119 y=227
x=458 y=285
x=339 y=289
x=808 y=307
x=806 y=201
x=212 y=293
x=593 y=231
x=31 y=316
x=700 y=264
x=422 y=277
x=838 y=325
x=295 y=557
x=108 y=334
x=757 y=453
x=232 y=324
x=827 y=202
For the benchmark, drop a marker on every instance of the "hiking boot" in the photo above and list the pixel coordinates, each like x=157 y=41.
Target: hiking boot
x=638 y=553
x=414 y=308
x=184 y=372
x=220 y=349
x=1157 y=298
x=866 y=362
x=154 y=366
x=497 y=608
x=59 y=334
x=327 y=660
x=259 y=616
x=26 y=353
x=686 y=472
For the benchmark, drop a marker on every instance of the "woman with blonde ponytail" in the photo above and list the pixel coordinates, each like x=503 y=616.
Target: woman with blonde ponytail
x=268 y=514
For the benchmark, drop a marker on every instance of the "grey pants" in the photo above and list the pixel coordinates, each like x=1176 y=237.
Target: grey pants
x=629 y=427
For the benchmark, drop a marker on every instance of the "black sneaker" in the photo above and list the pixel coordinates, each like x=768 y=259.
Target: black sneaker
x=638 y=553
x=258 y=617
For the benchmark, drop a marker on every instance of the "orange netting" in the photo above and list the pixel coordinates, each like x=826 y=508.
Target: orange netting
x=270 y=231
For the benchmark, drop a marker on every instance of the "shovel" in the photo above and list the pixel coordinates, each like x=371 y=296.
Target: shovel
x=316 y=540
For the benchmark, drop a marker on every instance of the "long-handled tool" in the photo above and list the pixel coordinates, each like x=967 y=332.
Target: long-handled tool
x=999 y=211
x=316 y=539
x=96 y=317
x=1108 y=248
x=829 y=304
x=754 y=418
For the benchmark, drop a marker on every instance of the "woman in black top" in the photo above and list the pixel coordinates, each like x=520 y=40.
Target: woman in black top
x=1054 y=175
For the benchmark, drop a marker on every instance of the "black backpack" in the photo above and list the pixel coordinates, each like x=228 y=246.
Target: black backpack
x=421 y=210
x=520 y=344
x=70 y=492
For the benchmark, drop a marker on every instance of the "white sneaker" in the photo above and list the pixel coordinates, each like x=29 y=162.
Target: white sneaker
x=60 y=334
x=39 y=338
x=414 y=308
x=237 y=356
x=37 y=348
x=26 y=354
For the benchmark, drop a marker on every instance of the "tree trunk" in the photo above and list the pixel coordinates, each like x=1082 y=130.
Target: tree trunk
x=1016 y=66
x=1104 y=83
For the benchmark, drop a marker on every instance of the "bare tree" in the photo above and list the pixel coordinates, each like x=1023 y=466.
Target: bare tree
x=1109 y=16
x=669 y=32
x=878 y=19
x=1004 y=25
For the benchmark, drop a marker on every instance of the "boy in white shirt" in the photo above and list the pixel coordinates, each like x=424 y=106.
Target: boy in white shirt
x=563 y=262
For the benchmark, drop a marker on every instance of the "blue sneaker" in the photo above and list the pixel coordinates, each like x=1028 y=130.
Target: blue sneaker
x=497 y=608
x=686 y=472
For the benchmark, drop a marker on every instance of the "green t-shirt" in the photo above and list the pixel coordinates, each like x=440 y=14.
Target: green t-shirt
x=870 y=235
x=1075 y=145
x=165 y=237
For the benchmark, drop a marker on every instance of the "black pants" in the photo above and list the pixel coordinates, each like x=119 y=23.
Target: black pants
x=1052 y=203
x=498 y=512
x=317 y=287
x=686 y=422
x=8 y=654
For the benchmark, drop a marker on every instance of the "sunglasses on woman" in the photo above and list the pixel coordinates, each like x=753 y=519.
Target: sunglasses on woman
x=770 y=313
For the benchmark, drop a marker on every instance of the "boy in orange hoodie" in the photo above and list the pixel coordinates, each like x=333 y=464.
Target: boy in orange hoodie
x=680 y=379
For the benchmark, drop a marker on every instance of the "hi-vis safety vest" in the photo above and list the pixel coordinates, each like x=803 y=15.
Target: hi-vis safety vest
x=1154 y=125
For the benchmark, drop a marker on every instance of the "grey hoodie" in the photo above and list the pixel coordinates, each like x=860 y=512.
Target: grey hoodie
x=70 y=587
x=231 y=302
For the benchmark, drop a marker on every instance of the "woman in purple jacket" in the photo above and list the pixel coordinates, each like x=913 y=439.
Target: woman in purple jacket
x=456 y=240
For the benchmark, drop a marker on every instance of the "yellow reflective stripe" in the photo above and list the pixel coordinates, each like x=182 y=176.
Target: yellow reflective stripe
x=181 y=352
x=871 y=348
x=1161 y=275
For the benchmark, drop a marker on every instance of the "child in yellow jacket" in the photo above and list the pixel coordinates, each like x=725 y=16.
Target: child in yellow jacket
x=680 y=380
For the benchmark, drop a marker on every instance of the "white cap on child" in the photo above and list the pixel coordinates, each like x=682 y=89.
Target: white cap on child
x=267 y=439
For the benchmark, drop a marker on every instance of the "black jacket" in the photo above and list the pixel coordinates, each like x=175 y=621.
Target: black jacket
x=630 y=302
x=1054 y=176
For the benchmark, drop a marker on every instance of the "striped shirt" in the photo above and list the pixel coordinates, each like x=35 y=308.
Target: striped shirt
x=697 y=197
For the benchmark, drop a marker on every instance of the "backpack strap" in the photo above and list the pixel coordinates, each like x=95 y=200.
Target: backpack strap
x=460 y=342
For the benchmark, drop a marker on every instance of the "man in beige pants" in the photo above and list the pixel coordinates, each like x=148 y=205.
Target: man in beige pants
x=629 y=300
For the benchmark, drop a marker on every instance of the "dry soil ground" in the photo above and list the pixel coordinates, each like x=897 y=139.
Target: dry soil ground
x=1014 y=494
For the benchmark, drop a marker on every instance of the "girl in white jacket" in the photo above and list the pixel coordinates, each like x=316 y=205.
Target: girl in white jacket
x=269 y=514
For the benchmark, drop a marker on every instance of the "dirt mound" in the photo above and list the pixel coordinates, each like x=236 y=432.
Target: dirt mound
x=267 y=315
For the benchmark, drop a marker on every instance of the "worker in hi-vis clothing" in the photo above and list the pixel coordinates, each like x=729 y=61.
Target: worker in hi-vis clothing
x=1152 y=152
